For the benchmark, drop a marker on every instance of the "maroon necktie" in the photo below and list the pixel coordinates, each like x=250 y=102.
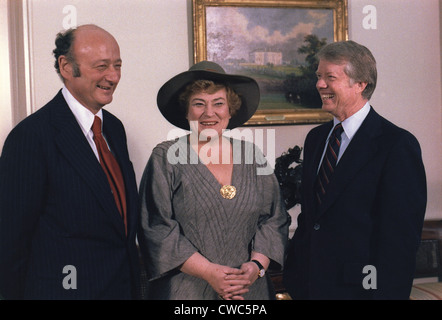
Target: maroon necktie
x=329 y=161
x=111 y=168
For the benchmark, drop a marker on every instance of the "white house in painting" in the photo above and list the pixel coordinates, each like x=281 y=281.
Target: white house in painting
x=265 y=57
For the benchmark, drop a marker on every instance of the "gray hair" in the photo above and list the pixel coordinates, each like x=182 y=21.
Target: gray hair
x=359 y=61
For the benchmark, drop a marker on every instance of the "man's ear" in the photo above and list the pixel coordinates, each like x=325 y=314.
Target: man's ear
x=362 y=86
x=65 y=67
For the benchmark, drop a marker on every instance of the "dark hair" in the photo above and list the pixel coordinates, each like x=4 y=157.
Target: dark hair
x=198 y=86
x=360 y=63
x=63 y=47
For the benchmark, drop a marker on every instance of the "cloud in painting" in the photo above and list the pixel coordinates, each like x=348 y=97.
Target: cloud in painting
x=235 y=32
x=320 y=17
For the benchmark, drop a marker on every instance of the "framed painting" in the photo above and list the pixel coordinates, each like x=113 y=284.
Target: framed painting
x=274 y=42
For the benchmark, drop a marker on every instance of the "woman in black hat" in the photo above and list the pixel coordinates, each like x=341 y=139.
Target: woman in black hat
x=212 y=222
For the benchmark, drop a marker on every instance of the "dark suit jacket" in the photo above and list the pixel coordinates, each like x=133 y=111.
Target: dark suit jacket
x=57 y=210
x=372 y=215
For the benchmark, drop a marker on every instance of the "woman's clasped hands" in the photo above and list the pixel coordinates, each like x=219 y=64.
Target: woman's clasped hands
x=232 y=283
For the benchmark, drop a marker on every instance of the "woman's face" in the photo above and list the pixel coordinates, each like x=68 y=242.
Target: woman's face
x=209 y=111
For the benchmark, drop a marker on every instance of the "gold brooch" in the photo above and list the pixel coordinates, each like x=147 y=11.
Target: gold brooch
x=228 y=192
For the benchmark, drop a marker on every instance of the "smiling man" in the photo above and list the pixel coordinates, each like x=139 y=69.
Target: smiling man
x=363 y=194
x=68 y=195
x=97 y=64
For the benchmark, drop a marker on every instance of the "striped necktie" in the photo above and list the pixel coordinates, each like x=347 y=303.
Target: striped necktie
x=112 y=170
x=328 y=164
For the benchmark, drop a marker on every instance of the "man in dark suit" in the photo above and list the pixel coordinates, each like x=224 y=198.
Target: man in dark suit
x=361 y=218
x=62 y=233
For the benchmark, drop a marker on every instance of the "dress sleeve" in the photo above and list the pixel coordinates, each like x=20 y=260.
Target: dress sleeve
x=162 y=245
x=273 y=226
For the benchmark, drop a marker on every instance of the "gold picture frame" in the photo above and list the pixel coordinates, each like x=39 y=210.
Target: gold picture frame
x=263 y=41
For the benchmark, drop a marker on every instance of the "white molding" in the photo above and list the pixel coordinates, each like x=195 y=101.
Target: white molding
x=20 y=73
x=28 y=57
x=6 y=122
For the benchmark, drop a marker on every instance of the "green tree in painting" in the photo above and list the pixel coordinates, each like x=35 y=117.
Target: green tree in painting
x=313 y=45
x=301 y=88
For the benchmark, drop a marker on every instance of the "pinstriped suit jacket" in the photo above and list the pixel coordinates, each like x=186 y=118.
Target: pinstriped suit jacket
x=57 y=210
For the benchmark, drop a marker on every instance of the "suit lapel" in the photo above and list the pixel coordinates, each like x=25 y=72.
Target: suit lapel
x=75 y=148
x=319 y=147
x=310 y=165
x=359 y=152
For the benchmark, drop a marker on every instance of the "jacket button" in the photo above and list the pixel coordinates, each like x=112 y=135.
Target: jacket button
x=317 y=226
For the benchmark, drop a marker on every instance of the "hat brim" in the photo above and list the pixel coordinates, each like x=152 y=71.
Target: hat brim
x=168 y=96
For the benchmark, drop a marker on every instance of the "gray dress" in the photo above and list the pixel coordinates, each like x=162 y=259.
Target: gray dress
x=183 y=212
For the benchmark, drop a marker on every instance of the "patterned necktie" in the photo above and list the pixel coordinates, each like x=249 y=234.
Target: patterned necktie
x=328 y=164
x=111 y=168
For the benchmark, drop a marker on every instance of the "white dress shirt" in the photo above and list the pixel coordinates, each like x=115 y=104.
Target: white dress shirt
x=350 y=126
x=85 y=118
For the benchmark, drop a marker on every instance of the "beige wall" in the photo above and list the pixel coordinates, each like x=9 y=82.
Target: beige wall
x=155 y=38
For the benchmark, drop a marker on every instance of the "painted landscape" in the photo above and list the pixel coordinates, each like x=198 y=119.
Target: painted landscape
x=275 y=46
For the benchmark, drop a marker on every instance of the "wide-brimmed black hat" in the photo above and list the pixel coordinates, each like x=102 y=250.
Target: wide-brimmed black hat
x=245 y=87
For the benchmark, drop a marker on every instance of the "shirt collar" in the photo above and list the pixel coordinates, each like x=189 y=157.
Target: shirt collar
x=352 y=124
x=84 y=117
